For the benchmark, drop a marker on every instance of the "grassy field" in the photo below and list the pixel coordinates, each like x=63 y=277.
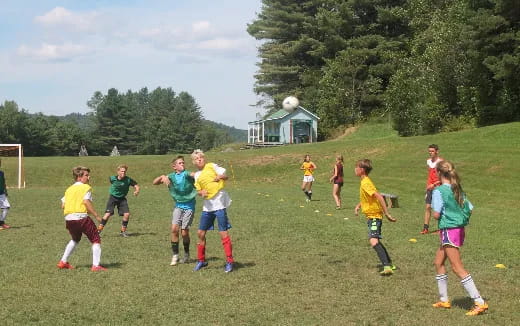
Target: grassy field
x=298 y=263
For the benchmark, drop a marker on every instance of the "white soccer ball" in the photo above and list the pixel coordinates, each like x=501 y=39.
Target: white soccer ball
x=290 y=103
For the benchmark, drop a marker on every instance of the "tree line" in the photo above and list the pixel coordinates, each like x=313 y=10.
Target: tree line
x=143 y=122
x=429 y=65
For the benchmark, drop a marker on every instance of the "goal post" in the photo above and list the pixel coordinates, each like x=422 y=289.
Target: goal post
x=15 y=150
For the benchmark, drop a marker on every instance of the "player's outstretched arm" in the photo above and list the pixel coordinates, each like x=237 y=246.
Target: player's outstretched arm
x=381 y=201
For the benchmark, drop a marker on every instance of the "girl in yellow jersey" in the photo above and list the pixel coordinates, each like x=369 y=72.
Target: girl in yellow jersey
x=308 y=168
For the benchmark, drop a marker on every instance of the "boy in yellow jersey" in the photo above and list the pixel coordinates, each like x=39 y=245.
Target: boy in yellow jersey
x=77 y=204
x=209 y=182
x=373 y=206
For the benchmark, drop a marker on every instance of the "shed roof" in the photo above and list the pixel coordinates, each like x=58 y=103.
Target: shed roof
x=282 y=113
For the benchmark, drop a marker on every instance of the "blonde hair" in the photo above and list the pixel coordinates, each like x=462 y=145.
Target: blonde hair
x=196 y=154
x=79 y=171
x=446 y=170
x=120 y=166
x=339 y=157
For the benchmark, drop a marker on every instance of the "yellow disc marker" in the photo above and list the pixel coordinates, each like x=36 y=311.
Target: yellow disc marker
x=500 y=266
x=412 y=240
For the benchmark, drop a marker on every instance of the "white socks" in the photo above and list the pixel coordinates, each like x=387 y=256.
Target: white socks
x=96 y=254
x=442 y=284
x=68 y=250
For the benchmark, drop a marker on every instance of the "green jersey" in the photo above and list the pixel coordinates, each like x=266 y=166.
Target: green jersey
x=119 y=188
x=3 y=188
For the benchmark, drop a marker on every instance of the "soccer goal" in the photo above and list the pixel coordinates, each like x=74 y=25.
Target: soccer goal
x=15 y=150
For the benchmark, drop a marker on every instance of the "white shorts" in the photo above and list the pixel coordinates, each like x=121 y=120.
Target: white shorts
x=308 y=178
x=4 y=203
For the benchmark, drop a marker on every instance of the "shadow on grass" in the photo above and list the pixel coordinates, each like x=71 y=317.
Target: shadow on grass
x=130 y=235
x=19 y=227
x=107 y=265
x=465 y=303
x=236 y=265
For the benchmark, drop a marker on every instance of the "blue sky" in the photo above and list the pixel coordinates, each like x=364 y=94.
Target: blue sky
x=55 y=54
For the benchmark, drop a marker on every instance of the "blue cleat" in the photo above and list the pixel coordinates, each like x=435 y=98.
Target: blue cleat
x=228 y=268
x=200 y=265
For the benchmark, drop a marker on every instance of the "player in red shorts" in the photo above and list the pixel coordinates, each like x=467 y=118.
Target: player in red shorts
x=77 y=205
x=431 y=183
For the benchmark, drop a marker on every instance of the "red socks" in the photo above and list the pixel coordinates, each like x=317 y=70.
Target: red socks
x=228 y=249
x=201 y=252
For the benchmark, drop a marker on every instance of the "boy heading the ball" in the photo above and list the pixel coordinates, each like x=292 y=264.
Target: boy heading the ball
x=209 y=182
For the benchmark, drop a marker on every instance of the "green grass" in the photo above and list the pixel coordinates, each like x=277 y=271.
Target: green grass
x=296 y=265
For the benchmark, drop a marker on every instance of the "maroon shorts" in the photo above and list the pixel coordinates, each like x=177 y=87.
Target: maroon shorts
x=85 y=225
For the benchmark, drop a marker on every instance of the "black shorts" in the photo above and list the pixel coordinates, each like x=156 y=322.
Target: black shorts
x=428 y=197
x=374 y=227
x=120 y=203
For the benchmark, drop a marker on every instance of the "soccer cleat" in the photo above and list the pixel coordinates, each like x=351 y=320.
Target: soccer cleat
x=100 y=228
x=98 y=268
x=387 y=270
x=5 y=226
x=64 y=265
x=442 y=304
x=229 y=267
x=424 y=231
x=478 y=309
x=175 y=260
x=185 y=259
x=124 y=234
x=307 y=200
x=200 y=265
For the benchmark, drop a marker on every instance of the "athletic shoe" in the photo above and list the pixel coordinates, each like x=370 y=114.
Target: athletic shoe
x=477 y=309
x=338 y=207
x=100 y=228
x=64 y=265
x=98 y=268
x=424 y=231
x=185 y=259
x=124 y=234
x=200 y=265
x=307 y=200
x=175 y=260
x=4 y=227
x=387 y=270
x=442 y=304
x=229 y=267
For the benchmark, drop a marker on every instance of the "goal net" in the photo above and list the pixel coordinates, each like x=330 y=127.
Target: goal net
x=11 y=159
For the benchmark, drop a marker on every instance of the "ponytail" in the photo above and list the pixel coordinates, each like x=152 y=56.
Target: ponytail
x=446 y=169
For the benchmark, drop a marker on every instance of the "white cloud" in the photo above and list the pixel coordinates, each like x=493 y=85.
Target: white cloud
x=61 y=17
x=53 y=52
x=201 y=26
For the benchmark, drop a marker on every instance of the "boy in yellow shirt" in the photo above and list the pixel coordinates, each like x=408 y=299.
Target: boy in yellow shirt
x=373 y=206
x=77 y=205
x=209 y=182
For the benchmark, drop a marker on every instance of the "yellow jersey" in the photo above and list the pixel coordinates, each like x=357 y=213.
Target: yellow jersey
x=205 y=179
x=73 y=199
x=369 y=204
x=308 y=168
